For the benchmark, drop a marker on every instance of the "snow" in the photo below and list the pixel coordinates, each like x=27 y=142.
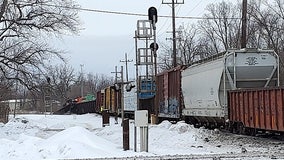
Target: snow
x=30 y=137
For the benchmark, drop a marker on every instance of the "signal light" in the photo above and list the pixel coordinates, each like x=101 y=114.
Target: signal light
x=129 y=87
x=116 y=87
x=152 y=46
x=152 y=11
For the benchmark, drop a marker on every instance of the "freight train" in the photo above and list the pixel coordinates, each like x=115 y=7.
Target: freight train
x=237 y=90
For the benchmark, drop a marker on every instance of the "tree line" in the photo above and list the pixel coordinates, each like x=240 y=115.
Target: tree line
x=220 y=30
x=26 y=28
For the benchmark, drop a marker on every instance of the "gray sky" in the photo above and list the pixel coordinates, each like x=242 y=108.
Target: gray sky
x=107 y=37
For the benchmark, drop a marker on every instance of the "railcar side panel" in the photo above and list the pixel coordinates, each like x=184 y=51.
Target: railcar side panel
x=111 y=100
x=255 y=109
x=169 y=93
x=107 y=98
x=258 y=108
x=246 y=109
x=84 y=107
x=280 y=110
x=100 y=101
x=130 y=101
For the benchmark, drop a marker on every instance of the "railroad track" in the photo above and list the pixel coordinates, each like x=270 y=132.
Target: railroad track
x=227 y=156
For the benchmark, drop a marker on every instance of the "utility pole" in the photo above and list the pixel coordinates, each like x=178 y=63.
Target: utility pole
x=122 y=95
x=117 y=103
x=173 y=3
x=244 y=24
x=82 y=87
x=120 y=85
x=126 y=68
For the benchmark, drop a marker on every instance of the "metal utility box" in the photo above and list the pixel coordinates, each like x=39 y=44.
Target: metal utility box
x=141 y=118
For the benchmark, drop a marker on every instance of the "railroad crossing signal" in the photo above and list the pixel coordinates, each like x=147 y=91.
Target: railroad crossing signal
x=152 y=14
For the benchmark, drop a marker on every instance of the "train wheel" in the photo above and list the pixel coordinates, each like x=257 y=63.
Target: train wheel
x=242 y=129
x=252 y=131
x=230 y=127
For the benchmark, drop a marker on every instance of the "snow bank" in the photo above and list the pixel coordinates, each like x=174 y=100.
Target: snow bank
x=30 y=137
x=77 y=142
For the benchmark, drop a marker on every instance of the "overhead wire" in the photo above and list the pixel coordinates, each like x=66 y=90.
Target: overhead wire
x=132 y=14
x=194 y=7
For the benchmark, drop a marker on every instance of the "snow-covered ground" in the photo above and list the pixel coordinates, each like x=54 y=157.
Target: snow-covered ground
x=31 y=137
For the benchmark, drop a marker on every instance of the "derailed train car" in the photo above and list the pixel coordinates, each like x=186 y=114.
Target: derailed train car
x=79 y=105
x=206 y=83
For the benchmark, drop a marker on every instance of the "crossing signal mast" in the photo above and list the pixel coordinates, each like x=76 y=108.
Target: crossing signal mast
x=173 y=4
x=146 y=60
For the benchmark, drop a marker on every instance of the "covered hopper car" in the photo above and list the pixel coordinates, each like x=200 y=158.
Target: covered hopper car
x=205 y=84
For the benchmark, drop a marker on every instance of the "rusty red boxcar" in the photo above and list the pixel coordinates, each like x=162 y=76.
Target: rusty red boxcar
x=100 y=98
x=169 y=95
x=255 y=110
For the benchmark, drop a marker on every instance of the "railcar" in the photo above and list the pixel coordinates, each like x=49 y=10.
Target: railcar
x=108 y=99
x=111 y=100
x=130 y=102
x=257 y=110
x=169 y=95
x=79 y=105
x=205 y=84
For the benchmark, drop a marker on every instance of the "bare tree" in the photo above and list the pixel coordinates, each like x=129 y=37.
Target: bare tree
x=270 y=24
x=269 y=19
x=91 y=84
x=164 y=59
x=62 y=77
x=25 y=27
x=6 y=89
x=221 y=26
x=218 y=31
x=102 y=81
x=187 y=44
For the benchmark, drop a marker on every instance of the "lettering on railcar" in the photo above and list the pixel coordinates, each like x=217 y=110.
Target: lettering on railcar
x=207 y=113
x=251 y=61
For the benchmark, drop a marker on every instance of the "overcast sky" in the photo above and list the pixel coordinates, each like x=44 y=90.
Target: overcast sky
x=106 y=38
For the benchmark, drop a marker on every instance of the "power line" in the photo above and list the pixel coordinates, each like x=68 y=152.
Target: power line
x=132 y=14
x=194 y=7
